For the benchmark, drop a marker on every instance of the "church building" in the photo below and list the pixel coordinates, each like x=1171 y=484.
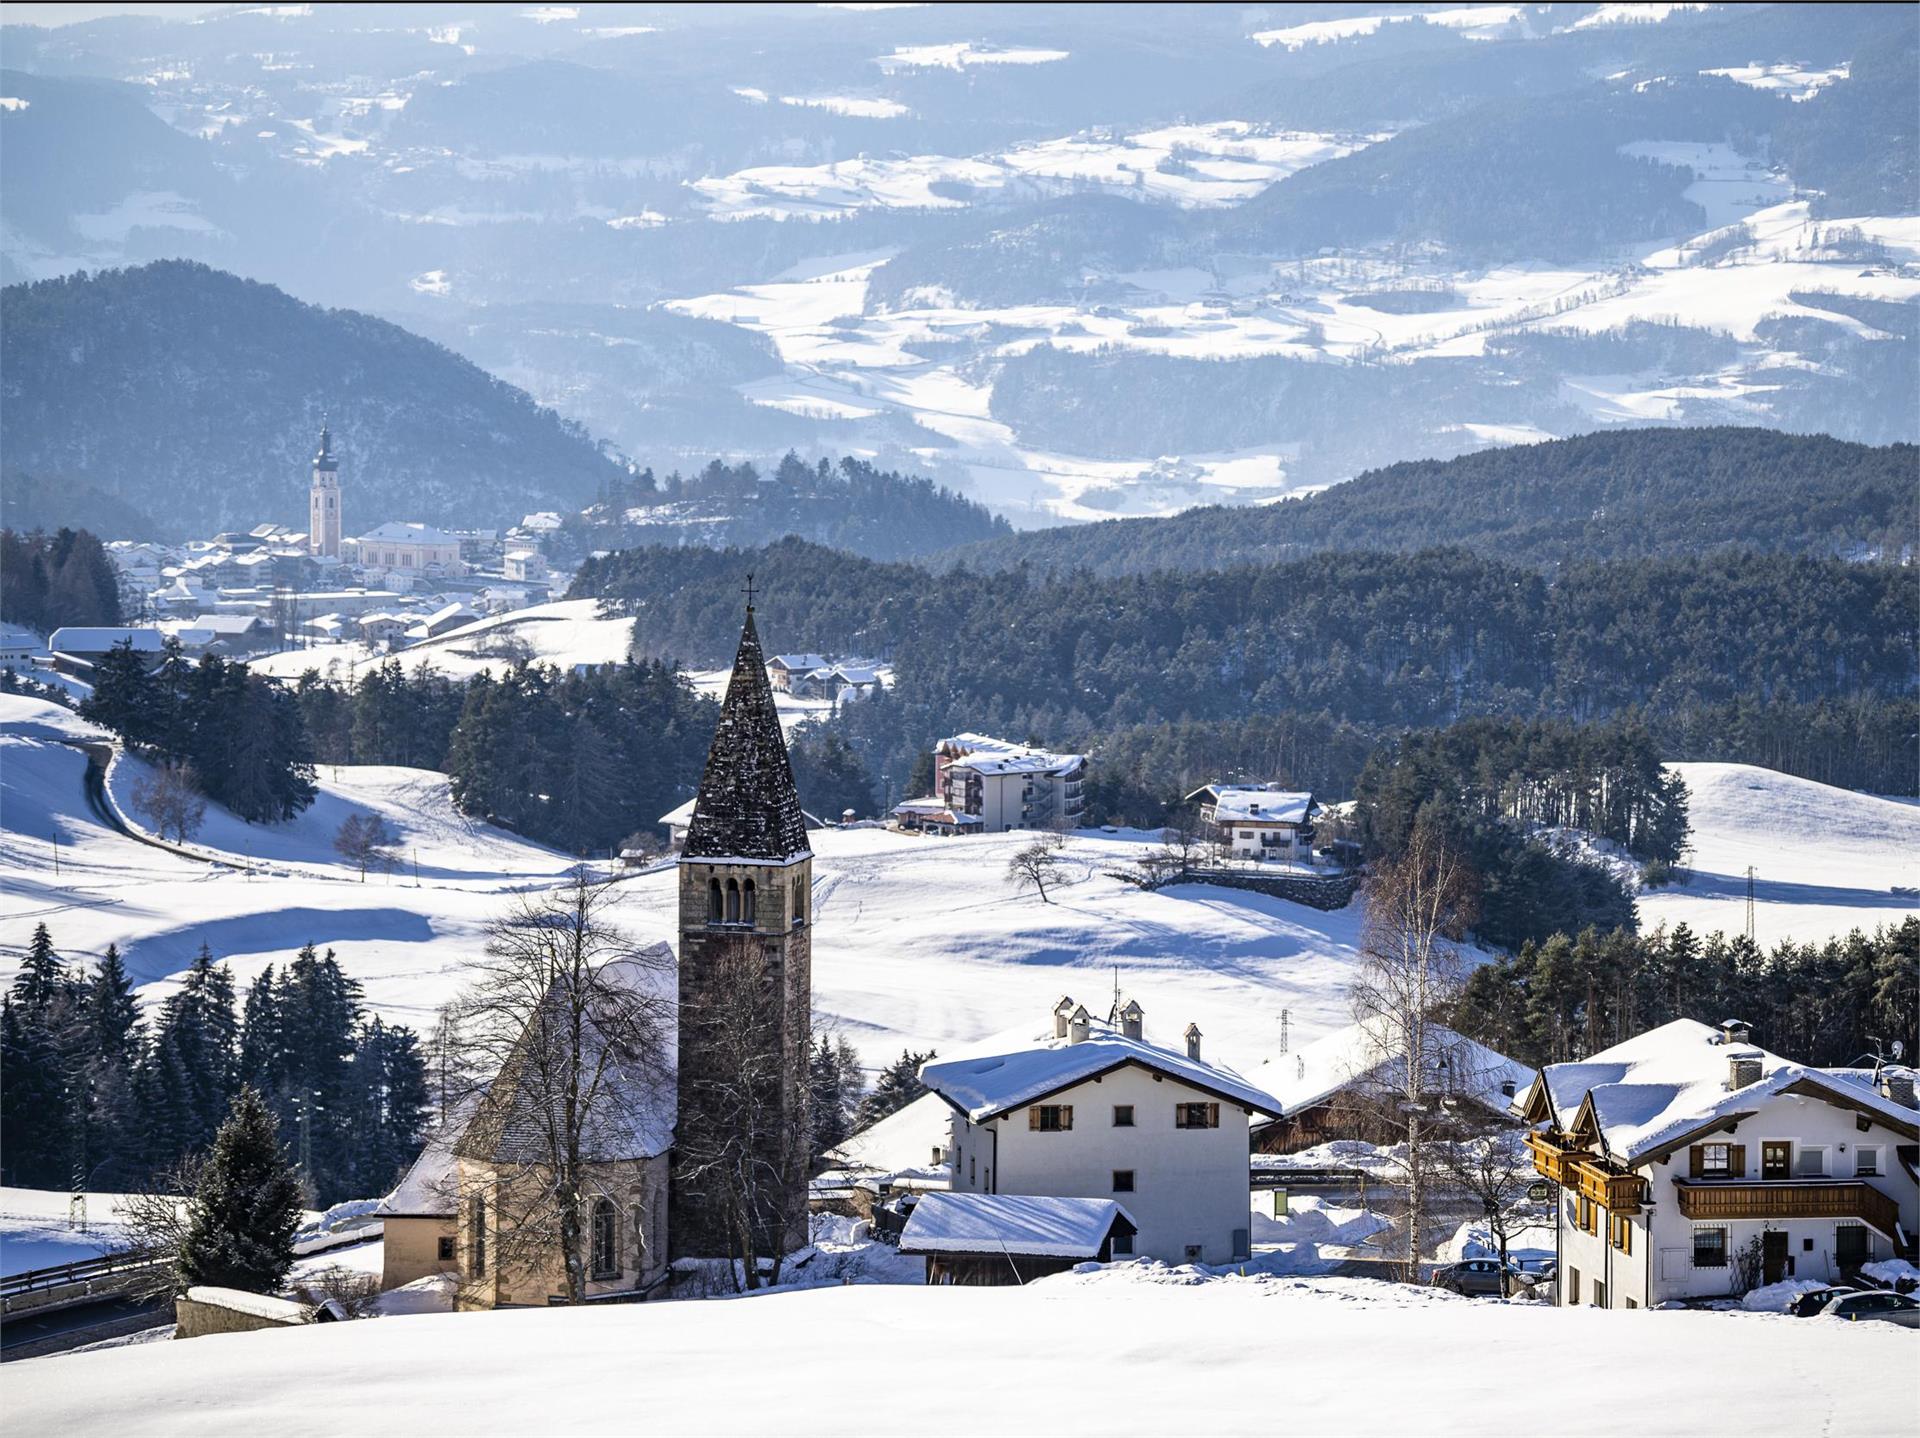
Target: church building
x=666 y=1179
x=323 y=501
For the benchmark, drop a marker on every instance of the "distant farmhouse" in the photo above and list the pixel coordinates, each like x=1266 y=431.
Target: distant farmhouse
x=1258 y=821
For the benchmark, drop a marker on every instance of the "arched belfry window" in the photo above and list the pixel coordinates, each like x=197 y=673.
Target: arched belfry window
x=733 y=901
x=606 y=1240
x=746 y=902
x=714 y=914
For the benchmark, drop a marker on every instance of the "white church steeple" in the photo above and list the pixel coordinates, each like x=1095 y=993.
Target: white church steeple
x=323 y=501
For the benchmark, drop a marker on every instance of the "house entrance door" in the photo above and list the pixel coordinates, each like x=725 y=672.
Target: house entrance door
x=1776 y=1160
x=1773 y=1257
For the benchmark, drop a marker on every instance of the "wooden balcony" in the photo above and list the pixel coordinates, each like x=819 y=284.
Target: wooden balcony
x=1789 y=1198
x=1551 y=1160
x=1585 y=1174
x=1615 y=1192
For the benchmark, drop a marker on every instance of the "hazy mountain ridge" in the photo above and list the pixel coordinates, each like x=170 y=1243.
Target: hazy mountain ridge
x=1598 y=497
x=216 y=388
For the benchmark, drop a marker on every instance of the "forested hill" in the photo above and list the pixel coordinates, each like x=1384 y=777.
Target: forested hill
x=198 y=396
x=1378 y=638
x=1613 y=495
x=855 y=506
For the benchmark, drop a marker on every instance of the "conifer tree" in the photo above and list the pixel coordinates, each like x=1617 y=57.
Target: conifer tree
x=245 y=1209
x=113 y=1016
x=41 y=977
x=898 y=1085
x=123 y=695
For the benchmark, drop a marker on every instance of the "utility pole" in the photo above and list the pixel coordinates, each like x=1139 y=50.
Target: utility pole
x=1749 y=903
x=1285 y=1016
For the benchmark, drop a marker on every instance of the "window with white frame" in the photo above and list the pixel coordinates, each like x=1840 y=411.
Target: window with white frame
x=1716 y=1160
x=1811 y=1161
x=1866 y=1160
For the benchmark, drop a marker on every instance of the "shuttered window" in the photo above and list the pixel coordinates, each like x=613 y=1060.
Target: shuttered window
x=1621 y=1232
x=1717 y=1160
x=1196 y=1115
x=1050 y=1117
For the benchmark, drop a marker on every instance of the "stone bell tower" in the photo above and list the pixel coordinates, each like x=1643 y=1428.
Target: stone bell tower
x=745 y=979
x=323 y=501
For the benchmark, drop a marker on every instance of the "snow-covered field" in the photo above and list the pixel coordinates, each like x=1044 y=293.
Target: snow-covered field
x=1825 y=860
x=39 y=1228
x=918 y=942
x=1148 y=1350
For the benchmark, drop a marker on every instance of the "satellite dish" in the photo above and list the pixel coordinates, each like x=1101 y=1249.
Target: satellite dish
x=1899 y=1047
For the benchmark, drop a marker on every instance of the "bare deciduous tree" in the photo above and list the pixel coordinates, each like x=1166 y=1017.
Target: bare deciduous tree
x=572 y=1019
x=365 y=841
x=738 y=1147
x=155 y=1219
x=1184 y=847
x=1418 y=907
x=1493 y=1168
x=1036 y=866
x=169 y=798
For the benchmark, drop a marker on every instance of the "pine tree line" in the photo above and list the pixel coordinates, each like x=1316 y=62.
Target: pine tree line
x=95 y=1095
x=1827 y=1003
x=240 y=733
x=47 y=581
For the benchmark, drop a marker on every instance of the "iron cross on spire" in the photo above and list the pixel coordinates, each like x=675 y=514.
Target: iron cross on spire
x=749 y=591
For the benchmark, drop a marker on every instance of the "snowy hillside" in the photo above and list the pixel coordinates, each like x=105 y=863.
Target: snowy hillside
x=1825 y=860
x=919 y=943
x=869 y=1356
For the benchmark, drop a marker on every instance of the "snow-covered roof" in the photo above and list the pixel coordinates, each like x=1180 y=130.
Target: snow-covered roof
x=1363 y=1052
x=217 y=624
x=257 y=1305
x=681 y=816
x=396 y=531
x=801 y=663
x=1659 y=1087
x=425 y=1191
x=853 y=675
x=455 y=610
x=905 y=1139
x=1272 y=806
x=986 y=755
x=986 y=1085
x=936 y=809
x=1011 y=1223
x=82 y=639
x=509 y=1126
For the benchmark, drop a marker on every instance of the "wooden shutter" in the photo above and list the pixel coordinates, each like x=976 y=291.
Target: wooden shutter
x=1213 y=1115
x=1066 y=1117
x=1033 y=1117
x=1736 y=1160
x=1696 y=1160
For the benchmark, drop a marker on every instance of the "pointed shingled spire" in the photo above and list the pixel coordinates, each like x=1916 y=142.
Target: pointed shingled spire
x=323 y=459
x=748 y=808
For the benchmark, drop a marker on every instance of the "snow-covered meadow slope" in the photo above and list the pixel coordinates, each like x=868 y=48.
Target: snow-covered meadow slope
x=920 y=943
x=1824 y=860
x=1151 y=1350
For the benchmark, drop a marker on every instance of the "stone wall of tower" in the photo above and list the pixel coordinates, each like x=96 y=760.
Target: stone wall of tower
x=780 y=940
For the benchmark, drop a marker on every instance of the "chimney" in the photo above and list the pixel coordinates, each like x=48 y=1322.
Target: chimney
x=1077 y=1024
x=1130 y=1019
x=1193 y=1041
x=1743 y=1068
x=1735 y=1031
x=1897 y=1084
x=1060 y=1012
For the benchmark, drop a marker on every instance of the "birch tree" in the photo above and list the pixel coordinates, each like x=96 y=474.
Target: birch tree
x=1411 y=973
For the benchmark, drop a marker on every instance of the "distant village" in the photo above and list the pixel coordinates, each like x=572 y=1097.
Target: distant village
x=241 y=594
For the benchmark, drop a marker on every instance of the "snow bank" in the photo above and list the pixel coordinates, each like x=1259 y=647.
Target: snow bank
x=1895 y=1271
x=1774 y=1297
x=432 y=1294
x=1124 y=1341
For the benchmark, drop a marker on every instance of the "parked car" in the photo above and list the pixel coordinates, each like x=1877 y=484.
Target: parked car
x=1879 y=1307
x=1473 y=1276
x=1805 y=1305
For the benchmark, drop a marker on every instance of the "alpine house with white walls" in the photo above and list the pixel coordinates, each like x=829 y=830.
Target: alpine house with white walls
x=1097 y=1110
x=1693 y=1165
